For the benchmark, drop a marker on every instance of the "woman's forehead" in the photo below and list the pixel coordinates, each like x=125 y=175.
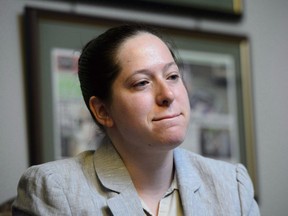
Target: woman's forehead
x=142 y=46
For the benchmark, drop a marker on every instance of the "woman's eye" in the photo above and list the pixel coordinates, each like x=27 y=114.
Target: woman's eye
x=174 y=77
x=141 y=83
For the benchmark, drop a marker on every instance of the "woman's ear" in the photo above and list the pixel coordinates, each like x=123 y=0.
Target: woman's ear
x=100 y=111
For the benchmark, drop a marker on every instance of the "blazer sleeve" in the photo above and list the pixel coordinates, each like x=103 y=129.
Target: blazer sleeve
x=40 y=193
x=246 y=193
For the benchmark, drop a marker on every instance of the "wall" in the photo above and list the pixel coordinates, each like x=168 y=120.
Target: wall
x=265 y=22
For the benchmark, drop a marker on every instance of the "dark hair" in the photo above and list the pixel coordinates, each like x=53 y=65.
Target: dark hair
x=98 y=66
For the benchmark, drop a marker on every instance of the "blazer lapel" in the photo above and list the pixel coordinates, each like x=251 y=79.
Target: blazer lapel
x=115 y=177
x=189 y=184
x=125 y=203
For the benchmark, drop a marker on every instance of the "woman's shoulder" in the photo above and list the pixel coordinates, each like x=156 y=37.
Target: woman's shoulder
x=61 y=183
x=63 y=167
x=213 y=170
x=231 y=182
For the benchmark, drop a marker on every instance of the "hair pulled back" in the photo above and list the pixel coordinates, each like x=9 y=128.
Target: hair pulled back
x=98 y=66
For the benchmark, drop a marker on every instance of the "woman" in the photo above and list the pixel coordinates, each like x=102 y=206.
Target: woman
x=134 y=90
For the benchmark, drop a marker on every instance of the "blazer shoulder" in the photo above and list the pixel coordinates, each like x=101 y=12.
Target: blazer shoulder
x=63 y=169
x=219 y=170
x=222 y=178
x=59 y=183
x=249 y=205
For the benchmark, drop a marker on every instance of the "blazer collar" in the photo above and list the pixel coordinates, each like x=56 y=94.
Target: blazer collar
x=187 y=174
x=110 y=168
x=115 y=177
x=125 y=201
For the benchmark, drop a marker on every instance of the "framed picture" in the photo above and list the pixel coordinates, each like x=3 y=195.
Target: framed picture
x=229 y=10
x=211 y=84
x=216 y=72
x=74 y=129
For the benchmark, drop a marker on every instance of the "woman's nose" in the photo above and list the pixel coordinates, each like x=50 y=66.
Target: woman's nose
x=164 y=96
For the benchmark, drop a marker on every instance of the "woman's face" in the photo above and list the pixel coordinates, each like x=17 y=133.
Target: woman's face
x=150 y=106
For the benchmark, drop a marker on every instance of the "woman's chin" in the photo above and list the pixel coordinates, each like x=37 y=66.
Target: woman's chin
x=171 y=141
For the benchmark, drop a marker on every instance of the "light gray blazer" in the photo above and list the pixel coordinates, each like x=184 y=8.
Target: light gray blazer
x=98 y=183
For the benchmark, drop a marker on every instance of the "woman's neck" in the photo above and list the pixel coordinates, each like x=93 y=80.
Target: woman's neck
x=151 y=172
x=152 y=177
x=150 y=166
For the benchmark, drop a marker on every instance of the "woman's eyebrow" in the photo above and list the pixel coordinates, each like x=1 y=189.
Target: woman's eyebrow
x=165 y=68
x=148 y=71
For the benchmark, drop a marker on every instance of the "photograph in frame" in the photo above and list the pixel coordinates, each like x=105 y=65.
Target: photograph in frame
x=210 y=82
x=75 y=130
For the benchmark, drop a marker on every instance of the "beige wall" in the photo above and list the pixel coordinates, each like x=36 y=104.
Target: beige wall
x=266 y=24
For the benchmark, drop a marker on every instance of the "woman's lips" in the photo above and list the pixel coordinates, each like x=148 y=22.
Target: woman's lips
x=166 y=117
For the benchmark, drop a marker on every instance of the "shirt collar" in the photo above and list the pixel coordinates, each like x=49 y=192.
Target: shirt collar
x=173 y=186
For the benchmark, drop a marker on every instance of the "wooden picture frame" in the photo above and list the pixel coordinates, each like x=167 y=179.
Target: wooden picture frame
x=224 y=10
